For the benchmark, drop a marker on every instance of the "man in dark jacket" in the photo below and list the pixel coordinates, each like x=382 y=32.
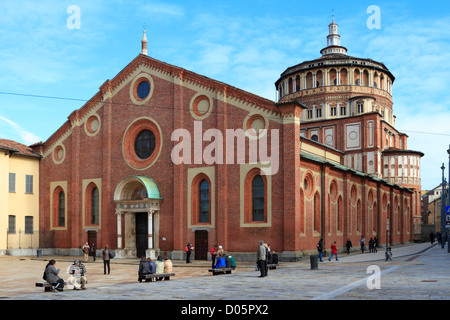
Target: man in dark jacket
x=261 y=259
x=320 y=249
x=144 y=268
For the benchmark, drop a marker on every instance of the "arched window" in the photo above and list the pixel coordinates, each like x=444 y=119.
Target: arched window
x=258 y=198
x=95 y=206
x=61 y=209
x=201 y=205
x=203 y=215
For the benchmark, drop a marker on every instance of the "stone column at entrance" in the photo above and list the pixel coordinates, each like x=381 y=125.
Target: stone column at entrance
x=119 y=230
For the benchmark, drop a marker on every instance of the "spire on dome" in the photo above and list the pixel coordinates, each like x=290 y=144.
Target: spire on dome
x=144 y=43
x=333 y=41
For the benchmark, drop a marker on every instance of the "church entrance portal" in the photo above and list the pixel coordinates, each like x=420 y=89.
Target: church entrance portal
x=137 y=200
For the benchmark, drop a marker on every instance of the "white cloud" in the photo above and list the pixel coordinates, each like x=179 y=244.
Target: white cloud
x=25 y=137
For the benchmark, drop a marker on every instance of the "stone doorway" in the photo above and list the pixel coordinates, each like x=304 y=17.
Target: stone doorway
x=137 y=200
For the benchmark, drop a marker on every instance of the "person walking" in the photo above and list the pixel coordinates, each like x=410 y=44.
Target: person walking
x=106 y=260
x=375 y=244
x=371 y=245
x=432 y=237
x=362 y=244
x=320 y=249
x=333 y=251
x=348 y=245
x=261 y=259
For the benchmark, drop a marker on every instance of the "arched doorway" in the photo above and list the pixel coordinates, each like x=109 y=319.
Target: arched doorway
x=137 y=200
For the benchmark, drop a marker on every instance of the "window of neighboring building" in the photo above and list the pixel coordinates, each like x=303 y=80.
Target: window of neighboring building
x=315 y=137
x=11 y=224
x=310 y=114
x=61 y=209
x=258 y=198
x=343 y=111
x=12 y=182
x=203 y=215
x=144 y=144
x=28 y=183
x=29 y=224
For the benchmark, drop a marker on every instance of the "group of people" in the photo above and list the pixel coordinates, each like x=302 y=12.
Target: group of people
x=373 y=244
x=107 y=255
x=148 y=266
x=436 y=237
x=89 y=251
x=221 y=258
x=77 y=276
x=264 y=257
x=320 y=248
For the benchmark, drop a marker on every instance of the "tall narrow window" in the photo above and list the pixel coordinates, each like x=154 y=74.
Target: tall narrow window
x=12 y=182
x=61 y=209
x=95 y=206
x=11 y=224
x=29 y=224
x=28 y=183
x=203 y=201
x=258 y=198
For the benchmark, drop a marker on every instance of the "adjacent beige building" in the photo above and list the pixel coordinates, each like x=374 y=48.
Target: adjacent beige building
x=19 y=198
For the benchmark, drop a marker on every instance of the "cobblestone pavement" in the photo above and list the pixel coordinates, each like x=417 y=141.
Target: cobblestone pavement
x=417 y=272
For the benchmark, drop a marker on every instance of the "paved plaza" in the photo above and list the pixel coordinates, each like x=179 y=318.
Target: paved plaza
x=417 y=272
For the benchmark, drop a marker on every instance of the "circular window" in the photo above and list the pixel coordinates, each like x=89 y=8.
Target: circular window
x=143 y=89
x=144 y=145
x=59 y=153
x=141 y=144
x=200 y=106
x=92 y=125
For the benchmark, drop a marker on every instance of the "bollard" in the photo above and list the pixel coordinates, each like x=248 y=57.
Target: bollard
x=314 y=262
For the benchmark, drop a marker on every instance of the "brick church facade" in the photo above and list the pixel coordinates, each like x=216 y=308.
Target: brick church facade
x=162 y=156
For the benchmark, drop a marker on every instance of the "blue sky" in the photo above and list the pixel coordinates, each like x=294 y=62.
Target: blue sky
x=247 y=44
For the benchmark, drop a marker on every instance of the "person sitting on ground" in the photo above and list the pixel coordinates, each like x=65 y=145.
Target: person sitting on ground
x=77 y=277
x=144 y=268
x=51 y=276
